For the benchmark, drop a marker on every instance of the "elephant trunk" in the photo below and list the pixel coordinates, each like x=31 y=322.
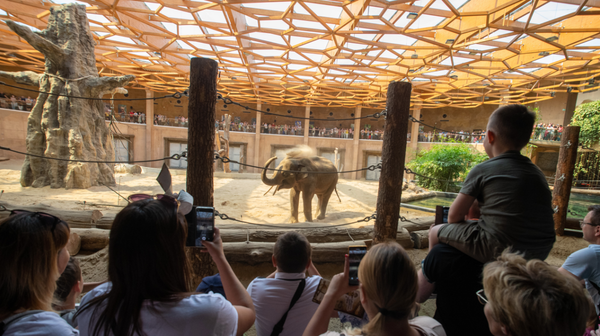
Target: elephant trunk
x=275 y=180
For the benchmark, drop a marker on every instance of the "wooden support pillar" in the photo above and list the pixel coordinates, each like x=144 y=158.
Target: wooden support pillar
x=414 y=132
x=201 y=140
x=570 y=108
x=564 y=176
x=257 y=147
x=149 y=127
x=356 y=142
x=392 y=160
x=306 y=123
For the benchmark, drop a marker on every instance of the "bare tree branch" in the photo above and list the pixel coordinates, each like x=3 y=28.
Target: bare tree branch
x=101 y=85
x=49 y=49
x=23 y=77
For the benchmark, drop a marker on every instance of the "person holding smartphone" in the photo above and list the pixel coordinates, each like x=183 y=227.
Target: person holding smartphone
x=150 y=290
x=388 y=290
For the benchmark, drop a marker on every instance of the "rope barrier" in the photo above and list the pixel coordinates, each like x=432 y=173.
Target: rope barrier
x=226 y=217
x=172 y=157
x=176 y=95
x=225 y=159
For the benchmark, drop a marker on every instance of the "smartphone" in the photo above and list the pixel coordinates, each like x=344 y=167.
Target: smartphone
x=204 y=226
x=441 y=214
x=355 y=255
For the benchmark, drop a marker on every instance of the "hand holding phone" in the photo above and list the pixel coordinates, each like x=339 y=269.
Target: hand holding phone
x=339 y=284
x=204 y=226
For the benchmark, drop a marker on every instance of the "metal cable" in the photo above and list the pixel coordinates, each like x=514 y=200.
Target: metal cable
x=228 y=101
x=176 y=95
x=172 y=157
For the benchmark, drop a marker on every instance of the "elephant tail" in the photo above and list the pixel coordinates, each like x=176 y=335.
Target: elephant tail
x=338 y=195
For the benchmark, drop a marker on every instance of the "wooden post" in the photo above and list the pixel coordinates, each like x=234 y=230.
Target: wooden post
x=201 y=144
x=226 y=137
x=564 y=176
x=392 y=160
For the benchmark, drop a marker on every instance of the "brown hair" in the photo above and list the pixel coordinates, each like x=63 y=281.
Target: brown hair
x=292 y=252
x=595 y=210
x=67 y=280
x=389 y=279
x=532 y=298
x=513 y=125
x=146 y=261
x=29 y=248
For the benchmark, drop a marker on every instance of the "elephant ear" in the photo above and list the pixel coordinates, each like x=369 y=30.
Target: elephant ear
x=302 y=175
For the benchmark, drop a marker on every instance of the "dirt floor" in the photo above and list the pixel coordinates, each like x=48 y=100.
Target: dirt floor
x=238 y=198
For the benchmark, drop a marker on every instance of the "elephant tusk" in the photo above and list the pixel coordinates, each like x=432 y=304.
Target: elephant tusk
x=275 y=191
x=268 y=190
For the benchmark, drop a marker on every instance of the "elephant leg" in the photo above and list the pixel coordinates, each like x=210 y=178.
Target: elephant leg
x=307 y=200
x=319 y=197
x=294 y=202
x=323 y=200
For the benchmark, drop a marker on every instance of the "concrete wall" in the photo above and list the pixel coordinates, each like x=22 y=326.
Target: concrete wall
x=553 y=111
x=13 y=130
x=588 y=96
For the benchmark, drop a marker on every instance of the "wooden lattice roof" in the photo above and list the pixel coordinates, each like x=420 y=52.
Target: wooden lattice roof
x=340 y=53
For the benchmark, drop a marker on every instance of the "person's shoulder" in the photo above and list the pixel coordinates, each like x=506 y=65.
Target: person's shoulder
x=42 y=323
x=428 y=325
x=206 y=301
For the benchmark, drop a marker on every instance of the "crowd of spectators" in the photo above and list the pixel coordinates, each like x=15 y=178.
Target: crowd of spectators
x=485 y=266
x=11 y=101
x=461 y=136
x=284 y=129
x=550 y=132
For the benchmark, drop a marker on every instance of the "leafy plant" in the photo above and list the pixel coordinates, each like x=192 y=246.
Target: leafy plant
x=587 y=116
x=445 y=165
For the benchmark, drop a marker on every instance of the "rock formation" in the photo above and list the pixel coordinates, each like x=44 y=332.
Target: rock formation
x=66 y=127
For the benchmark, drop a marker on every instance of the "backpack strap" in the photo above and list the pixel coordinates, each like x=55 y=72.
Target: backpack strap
x=16 y=317
x=278 y=328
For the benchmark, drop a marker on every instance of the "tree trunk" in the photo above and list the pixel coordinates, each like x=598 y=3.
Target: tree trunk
x=63 y=127
x=392 y=162
x=564 y=177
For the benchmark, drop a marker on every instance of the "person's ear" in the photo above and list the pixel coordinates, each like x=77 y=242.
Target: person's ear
x=274 y=261
x=491 y=136
x=363 y=296
x=78 y=286
x=597 y=231
x=504 y=330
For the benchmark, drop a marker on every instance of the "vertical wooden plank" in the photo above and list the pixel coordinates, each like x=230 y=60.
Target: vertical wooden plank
x=201 y=144
x=564 y=176
x=392 y=157
x=201 y=130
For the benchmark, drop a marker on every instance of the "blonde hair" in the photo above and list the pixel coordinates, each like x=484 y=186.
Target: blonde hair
x=389 y=279
x=532 y=298
x=29 y=247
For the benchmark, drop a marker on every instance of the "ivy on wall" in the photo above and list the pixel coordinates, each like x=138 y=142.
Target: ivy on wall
x=587 y=116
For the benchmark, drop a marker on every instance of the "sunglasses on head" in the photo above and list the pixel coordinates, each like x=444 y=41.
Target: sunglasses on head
x=170 y=200
x=46 y=218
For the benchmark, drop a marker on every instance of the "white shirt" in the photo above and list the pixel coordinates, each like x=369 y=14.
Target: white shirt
x=272 y=298
x=40 y=324
x=199 y=314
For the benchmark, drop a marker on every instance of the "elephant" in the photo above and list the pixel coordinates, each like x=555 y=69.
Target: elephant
x=322 y=184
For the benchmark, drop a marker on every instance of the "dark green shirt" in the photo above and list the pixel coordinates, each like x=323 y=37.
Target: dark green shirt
x=515 y=201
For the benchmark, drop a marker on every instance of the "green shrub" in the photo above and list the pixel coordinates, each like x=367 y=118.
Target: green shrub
x=587 y=116
x=443 y=163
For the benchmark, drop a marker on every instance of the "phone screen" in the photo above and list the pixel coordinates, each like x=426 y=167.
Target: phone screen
x=355 y=255
x=205 y=225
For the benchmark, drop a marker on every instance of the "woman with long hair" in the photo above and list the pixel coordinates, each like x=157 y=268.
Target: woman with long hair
x=33 y=254
x=150 y=291
x=388 y=291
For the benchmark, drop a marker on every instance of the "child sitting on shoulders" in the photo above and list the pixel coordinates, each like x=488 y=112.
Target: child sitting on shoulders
x=512 y=194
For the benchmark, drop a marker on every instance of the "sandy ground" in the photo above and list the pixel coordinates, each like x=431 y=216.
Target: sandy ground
x=238 y=198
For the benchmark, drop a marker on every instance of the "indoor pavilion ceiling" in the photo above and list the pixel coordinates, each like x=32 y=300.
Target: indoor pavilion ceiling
x=339 y=53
